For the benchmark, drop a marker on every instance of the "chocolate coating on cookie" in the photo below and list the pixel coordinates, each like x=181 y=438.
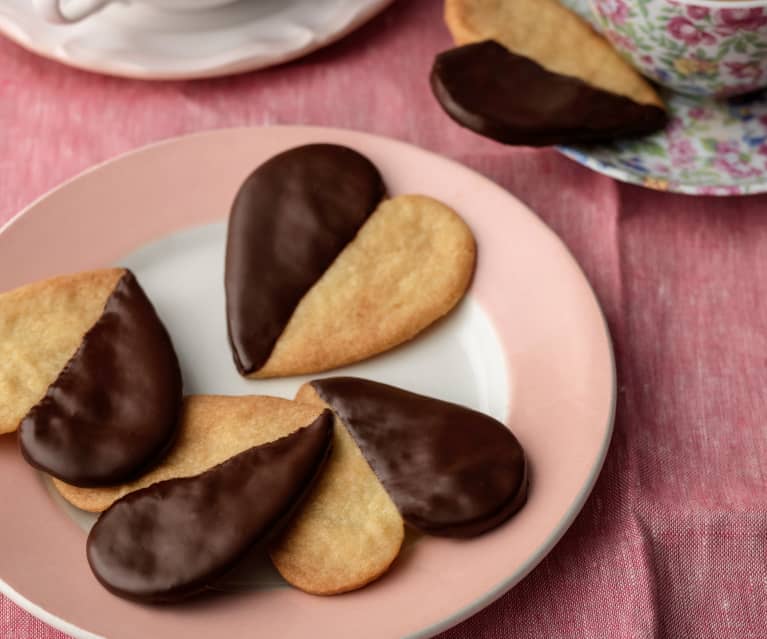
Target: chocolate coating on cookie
x=290 y=219
x=514 y=100
x=172 y=539
x=451 y=471
x=113 y=411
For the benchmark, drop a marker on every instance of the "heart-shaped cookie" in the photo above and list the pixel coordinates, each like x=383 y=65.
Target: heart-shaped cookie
x=172 y=539
x=320 y=272
x=89 y=376
x=553 y=36
x=531 y=72
x=448 y=471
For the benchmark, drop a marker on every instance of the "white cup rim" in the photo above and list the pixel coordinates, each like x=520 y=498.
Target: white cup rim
x=725 y=4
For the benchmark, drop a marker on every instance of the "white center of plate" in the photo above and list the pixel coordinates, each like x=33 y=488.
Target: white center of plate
x=459 y=359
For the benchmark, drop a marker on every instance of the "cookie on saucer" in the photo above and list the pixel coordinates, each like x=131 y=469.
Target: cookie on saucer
x=531 y=72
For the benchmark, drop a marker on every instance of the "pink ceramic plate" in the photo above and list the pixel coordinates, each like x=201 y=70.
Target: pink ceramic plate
x=529 y=345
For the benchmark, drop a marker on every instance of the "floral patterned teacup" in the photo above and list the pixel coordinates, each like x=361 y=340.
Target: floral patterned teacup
x=698 y=47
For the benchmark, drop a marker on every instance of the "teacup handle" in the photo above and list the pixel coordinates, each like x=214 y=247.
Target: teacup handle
x=52 y=11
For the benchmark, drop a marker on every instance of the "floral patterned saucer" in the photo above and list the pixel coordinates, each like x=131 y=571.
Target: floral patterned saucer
x=710 y=147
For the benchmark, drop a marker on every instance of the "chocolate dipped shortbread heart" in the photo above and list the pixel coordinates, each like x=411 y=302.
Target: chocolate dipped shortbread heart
x=441 y=468
x=321 y=271
x=532 y=72
x=89 y=377
x=172 y=539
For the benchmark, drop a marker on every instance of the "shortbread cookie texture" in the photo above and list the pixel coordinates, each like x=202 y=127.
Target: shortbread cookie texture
x=320 y=272
x=291 y=218
x=172 y=539
x=450 y=470
x=348 y=532
x=514 y=100
x=112 y=410
x=41 y=327
x=409 y=265
x=213 y=428
x=532 y=72
x=398 y=457
x=553 y=36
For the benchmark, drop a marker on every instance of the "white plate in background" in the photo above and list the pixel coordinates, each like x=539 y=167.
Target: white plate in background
x=138 y=41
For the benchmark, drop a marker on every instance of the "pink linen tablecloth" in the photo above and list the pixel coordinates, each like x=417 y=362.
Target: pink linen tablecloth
x=673 y=541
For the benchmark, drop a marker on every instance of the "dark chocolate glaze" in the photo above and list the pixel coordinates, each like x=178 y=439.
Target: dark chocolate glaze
x=290 y=219
x=113 y=411
x=514 y=100
x=172 y=539
x=450 y=471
